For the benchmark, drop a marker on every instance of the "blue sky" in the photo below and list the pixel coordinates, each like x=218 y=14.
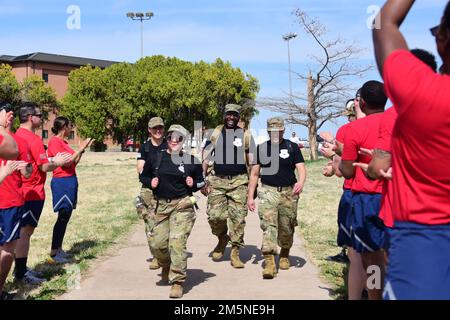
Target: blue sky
x=245 y=32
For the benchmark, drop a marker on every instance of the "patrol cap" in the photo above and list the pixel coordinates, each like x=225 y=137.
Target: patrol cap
x=156 y=121
x=178 y=128
x=350 y=109
x=233 y=108
x=275 y=124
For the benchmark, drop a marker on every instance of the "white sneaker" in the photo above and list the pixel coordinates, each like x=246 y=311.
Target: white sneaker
x=64 y=254
x=29 y=278
x=57 y=259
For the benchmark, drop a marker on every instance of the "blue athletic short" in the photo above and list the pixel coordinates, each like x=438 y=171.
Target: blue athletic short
x=10 y=224
x=65 y=193
x=344 y=238
x=368 y=230
x=419 y=262
x=32 y=211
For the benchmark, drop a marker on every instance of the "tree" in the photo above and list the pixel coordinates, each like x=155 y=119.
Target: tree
x=34 y=89
x=9 y=86
x=85 y=102
x=328 y=87
x=122 y=98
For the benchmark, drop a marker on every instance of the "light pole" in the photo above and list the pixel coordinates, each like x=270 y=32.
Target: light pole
x=287 y=37
x=140 y=16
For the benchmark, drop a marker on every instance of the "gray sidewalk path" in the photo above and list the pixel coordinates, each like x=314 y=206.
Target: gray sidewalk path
x=126 y=274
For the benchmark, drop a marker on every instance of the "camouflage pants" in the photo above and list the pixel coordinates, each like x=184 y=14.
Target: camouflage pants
x=278 y=217
x=173 y=223
x=227 y=207
x=145 y=213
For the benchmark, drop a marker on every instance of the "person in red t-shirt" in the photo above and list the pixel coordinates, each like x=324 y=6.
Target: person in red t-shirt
x=8 y=147
x=367 y=228
x=419 y=259
x=381 y=155
x=64 y=185
x=11 y=206
x=30 y=119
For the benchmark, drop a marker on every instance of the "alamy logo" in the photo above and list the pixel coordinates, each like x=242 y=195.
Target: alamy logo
x=237 y=142
x=74 y=20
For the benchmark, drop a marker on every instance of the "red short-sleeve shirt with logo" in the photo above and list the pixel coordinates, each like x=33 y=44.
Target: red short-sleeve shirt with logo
x=33 y=187
x=420 y=151
x=362 y=133
x=55 y=146
x=340 y=136
x=384 y=143
x=11 y=188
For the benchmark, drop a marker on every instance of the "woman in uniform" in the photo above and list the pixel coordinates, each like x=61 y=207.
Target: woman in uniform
x=173 y=176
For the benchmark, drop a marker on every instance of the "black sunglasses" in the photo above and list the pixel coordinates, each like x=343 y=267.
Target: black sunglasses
x=435 y=31
x=178 y=138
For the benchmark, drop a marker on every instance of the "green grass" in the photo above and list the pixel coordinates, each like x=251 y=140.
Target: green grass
x=107 y=186
x=317 y=223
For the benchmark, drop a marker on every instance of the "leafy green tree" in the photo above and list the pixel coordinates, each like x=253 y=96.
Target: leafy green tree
x=34 y=89
x=9 y=86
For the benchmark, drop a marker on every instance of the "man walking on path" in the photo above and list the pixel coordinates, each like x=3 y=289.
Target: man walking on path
x=229 y=148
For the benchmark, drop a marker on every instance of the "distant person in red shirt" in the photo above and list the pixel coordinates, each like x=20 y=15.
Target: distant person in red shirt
x=367 y=229
x=64 y=185
x=8 y=147
x=11 y=207
x=30 y=117
x=419 y=259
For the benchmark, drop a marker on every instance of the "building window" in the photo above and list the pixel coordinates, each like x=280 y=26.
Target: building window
x=71 y=135
x=45 y=77
x=44 y=134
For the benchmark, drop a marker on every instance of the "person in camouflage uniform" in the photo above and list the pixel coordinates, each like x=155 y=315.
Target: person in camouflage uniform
x=145 y=203
x=276 y=162
x=173 y=176
x=229 y=148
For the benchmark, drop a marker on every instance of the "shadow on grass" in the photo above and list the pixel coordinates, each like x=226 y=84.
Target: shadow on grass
x=52 y=272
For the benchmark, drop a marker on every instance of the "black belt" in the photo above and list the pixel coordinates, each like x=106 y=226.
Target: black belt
x=229 y=177
x=279 y=189
x=168 y=200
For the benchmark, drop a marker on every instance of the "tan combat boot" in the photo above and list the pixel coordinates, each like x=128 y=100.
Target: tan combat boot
x=154 y=264
x=177 y=290
x=220 y=248
x=270 y=270
x=235 y=260
x=284 y=259
x=165 y=273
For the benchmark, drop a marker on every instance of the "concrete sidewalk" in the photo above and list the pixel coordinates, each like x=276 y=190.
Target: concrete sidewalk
x=126 y=275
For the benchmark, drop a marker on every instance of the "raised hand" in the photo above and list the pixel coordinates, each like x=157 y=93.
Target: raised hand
x=366 y=152
x=386 y=174
x=363 y=166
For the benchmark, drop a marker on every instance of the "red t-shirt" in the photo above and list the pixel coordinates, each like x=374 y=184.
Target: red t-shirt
x=33 y=187
x=420 y=151
x=362 y=133
x=55 y=146
x=340 y=136
x=11 y=188
x=384 y=143
x=1 y=139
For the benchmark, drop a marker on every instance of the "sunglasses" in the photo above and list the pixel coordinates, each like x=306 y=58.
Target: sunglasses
x=39 y=115
x=175 y=137
x=435 y=31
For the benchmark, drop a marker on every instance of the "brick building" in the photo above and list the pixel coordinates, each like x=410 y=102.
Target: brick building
x=54 y=70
